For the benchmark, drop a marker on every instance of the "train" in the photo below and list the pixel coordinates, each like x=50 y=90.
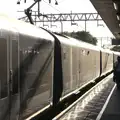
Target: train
x=39 y=68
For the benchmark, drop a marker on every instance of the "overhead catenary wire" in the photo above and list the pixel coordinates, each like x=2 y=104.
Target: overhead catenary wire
x=52 y=6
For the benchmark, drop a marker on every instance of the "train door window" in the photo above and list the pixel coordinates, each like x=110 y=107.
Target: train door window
x=14 y=61
x=15 y=83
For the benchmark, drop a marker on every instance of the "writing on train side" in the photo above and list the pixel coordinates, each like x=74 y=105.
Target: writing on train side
x=29 y=50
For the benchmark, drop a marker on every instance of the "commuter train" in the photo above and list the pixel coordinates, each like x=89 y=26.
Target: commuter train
x=39 y=68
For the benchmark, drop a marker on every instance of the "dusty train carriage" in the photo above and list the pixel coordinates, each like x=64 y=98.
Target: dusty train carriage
x=80 y=64
x=26 y=70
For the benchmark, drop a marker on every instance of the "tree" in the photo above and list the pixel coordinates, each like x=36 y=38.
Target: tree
x=82 y=35
x=116 y=48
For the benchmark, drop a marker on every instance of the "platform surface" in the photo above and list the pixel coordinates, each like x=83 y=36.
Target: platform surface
x=90 y=107
x=112 y=111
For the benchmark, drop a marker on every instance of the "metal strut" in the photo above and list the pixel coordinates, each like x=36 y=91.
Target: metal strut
x=28 y=11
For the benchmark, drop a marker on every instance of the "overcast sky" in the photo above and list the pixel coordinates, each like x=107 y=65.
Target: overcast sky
x=10 y=8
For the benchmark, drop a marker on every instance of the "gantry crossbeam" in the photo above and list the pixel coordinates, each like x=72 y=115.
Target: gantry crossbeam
x=62 y=17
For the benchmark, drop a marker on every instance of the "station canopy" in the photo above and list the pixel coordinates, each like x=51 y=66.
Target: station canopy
x=109 y=10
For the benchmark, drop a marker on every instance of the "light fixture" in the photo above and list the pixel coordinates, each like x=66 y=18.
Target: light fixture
x=115 y=6
x=18 y=2
x=118 y=17
x=49 y=1
x=56 y=3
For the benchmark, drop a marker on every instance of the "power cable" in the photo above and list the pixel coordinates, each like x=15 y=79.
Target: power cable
x=52 y=6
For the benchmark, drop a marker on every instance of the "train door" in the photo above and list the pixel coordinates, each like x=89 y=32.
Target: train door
x=4 y=76
x=14 y=95
x=77 y=67
x=74 y=68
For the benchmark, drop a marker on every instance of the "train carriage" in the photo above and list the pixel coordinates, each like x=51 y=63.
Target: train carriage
x=38 y=67
x=26 y=70
x=80 y=64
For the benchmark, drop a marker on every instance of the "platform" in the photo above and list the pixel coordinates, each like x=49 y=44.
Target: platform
x=102 y=103
x=111 y=110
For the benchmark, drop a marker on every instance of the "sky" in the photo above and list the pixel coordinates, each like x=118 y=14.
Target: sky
x=10 y=8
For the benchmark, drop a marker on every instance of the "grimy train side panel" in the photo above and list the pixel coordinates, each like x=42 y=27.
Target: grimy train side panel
x=89 y=65
x=107 y=61
x=88 y=62
x=36 y=70
x=80 y=64
x=66 y=57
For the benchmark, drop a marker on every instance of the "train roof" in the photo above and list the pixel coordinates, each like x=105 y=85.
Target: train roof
x=106 y=50
x=84 y=44
x=79 y=43
x=91 y=46
x=21 y=27
x=64 y=40
x=74 y=42
x=116 y=53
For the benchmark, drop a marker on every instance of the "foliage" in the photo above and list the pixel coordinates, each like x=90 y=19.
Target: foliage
x=82 y=35
x=116 y=48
